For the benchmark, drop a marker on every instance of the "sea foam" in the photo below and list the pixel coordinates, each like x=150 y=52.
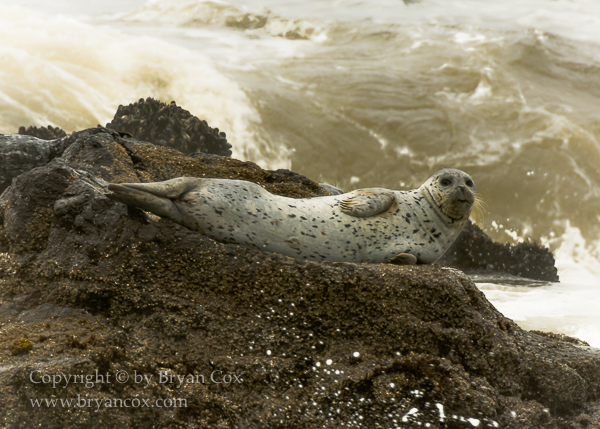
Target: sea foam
x=60 y=71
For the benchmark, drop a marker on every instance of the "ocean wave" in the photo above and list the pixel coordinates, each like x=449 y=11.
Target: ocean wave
x=194 y=13
x=507 y=106
x=577 y=258
x=56 y=70
x=568 y=307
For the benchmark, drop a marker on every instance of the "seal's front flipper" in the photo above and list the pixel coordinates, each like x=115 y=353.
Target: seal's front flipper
x=368 y=202
x=403 y=259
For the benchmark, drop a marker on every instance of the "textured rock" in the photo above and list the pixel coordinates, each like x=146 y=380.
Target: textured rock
x=473 y=250
x=147 y=120
x=44 y=133
x=21 y=153
x=169 y=125
x=106 y=289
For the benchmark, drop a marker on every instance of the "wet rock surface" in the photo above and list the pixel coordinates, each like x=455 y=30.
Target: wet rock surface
x=107 y=291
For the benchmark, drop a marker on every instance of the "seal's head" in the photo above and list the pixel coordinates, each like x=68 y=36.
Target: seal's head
x=452 y=192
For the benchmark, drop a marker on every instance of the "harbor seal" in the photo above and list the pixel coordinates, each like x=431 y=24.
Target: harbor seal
x=365 y=225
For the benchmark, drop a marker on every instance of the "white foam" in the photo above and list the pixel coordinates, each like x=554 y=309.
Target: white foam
x=254 y=20
x=569 y=307
x=469 y=38
x=62 y=72
x=564 y=308
x=183 y=12
x=577 y=260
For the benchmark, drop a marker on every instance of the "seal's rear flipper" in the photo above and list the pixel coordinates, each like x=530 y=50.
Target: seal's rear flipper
x=155 y=197
x=403 y=259
x=172 y=189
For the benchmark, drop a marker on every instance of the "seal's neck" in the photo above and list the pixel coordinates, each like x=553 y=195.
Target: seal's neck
x=447 y=220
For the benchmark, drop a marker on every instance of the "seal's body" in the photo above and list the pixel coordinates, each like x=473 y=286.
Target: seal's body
x=366 y=225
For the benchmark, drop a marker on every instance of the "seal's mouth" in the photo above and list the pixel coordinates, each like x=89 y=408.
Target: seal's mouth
x=455 y=216
x=460 y=209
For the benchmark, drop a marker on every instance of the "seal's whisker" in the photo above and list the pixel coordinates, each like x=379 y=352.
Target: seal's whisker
x=480 y=207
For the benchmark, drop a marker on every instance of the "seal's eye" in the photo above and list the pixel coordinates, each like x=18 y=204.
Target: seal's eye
x=445 y=182
x=469 y=183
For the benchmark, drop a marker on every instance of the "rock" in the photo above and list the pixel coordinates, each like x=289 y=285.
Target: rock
x=44 y=133
x=108 y=289
x=169 y=125
x=48 y=311
x=473 y=250
x=15 y=305
x=21 y=153
x=147 y=120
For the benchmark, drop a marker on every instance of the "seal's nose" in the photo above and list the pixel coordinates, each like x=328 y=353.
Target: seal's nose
x=465 y=194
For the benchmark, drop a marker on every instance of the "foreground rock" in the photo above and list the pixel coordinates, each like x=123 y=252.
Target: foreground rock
x=21 y=153
x=90 y=287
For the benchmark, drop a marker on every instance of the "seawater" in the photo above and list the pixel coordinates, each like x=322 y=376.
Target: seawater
x=357 y=94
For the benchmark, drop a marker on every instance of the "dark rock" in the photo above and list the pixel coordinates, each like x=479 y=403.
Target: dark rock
x=21 y=153
x=157 y=298
x=474 y=250
x=169 y=125
x=48 y=311
x=14 y=306
x=208 y=158
x=8 y=311
x=44 y=133
x=147 y=120
x=561 y=337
